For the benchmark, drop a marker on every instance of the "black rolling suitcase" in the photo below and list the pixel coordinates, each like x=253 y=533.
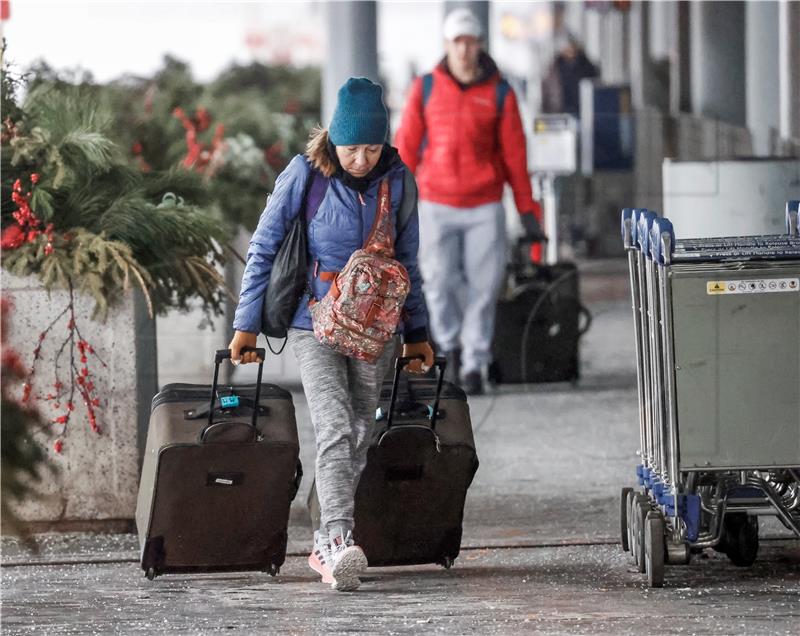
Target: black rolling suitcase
x=409 y=504
x=219 y=474
x=539 y=323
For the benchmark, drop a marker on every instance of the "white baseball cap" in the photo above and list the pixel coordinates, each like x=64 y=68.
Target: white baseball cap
x=461 y=22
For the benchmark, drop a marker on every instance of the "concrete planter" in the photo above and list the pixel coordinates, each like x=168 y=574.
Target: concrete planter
x=98 y=474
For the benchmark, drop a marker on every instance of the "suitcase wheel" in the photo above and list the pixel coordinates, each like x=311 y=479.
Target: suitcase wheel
x=150 y=573
x=446 y=562
x=273 y=569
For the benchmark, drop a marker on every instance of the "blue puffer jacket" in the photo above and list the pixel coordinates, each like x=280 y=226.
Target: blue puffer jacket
x=340 y=227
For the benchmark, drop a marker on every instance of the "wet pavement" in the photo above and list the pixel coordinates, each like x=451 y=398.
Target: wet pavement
x=567 y=590
x=539 y=551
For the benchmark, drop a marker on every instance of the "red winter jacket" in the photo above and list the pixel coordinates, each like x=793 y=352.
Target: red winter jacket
x=467 y=155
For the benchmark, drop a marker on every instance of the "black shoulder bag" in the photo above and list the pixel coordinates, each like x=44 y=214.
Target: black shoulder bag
x=288 y=279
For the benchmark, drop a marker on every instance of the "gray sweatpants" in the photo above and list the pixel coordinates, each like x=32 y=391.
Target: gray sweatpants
x=342 y=395
x=462 y=257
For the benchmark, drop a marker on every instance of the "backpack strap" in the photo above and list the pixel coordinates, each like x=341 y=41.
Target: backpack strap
x=380 y=239
x=316 y=187
x=501 y=90
x=427 y=87
x=409 y=200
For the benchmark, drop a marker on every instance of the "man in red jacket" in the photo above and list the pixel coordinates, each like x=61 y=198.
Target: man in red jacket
x=462 y=136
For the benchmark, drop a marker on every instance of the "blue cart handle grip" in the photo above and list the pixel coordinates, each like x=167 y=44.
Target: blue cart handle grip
x=792 y=222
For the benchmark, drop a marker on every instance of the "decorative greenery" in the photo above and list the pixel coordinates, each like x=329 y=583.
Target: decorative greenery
x=134 y=183
x=112 y=225
x=265 y=114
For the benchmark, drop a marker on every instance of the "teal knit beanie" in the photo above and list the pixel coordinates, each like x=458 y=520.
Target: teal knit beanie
x=360 y=116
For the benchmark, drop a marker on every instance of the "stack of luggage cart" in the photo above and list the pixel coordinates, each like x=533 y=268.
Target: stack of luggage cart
x=717 y=330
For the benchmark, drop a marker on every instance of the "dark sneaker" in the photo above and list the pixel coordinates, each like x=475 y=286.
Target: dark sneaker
x=472 y=383
x=451 y=372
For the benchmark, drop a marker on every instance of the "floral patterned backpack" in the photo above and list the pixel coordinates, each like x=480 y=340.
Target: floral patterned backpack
x=362 y=309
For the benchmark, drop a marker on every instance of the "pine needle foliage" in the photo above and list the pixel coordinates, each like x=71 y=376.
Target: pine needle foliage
x=270 y=109
x=114 y=224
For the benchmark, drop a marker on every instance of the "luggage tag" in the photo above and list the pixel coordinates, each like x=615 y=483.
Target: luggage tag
x=229 y=401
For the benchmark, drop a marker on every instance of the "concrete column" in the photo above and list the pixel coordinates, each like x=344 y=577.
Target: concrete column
x=789 y=52
x=592 y=36
x=680 y=89
x=573 y=19
x=351 y=50
x=762 y=68
x=615 y=43
x=146 y=351
x=718 y=60
x=639 y=51
x=649 y=26
x=661 y=24
x=479 y=7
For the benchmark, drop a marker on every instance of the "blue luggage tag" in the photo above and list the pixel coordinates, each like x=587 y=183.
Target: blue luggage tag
x=229 y=401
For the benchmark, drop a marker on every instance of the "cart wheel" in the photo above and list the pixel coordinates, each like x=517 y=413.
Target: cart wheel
x=629 y=513
x=150 y=573
x=654 y=549
x=447 y=563
x=633 y=529
x=641 y=506
x=273 y=569
x=740 y=535
x=623 y=518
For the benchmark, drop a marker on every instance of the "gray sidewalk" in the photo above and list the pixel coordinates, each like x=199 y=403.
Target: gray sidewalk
x=540 y=552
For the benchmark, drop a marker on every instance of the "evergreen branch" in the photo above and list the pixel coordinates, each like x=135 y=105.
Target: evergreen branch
x=143 y=286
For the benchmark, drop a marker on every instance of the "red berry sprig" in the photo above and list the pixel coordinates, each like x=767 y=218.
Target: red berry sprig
x=28 y=224
x=198 y=155
x=80 y=375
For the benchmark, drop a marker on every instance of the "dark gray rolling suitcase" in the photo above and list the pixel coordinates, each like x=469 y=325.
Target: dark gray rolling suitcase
x=409 y=503
x=218 y=477
x=538 y=326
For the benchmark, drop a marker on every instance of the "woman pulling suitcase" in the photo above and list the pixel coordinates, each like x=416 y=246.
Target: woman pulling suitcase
x=362 y=233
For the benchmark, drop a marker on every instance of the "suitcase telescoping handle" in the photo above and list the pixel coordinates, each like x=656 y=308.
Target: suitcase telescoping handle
x=439 y=362
x=225 y=354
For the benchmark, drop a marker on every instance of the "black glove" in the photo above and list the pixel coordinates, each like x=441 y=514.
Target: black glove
x=533 y=231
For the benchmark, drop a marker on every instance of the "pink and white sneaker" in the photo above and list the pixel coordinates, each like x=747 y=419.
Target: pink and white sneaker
x=320 y=558
x=349 y=561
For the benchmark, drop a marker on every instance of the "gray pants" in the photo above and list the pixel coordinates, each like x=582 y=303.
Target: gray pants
x=462 y=257
x=342 y=395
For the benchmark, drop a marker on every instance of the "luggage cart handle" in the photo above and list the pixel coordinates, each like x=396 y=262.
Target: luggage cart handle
x=645 y=222
x=662 y=241
x=225 y=354
x=792 y=221
x=438 y=362
x=627 y=228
